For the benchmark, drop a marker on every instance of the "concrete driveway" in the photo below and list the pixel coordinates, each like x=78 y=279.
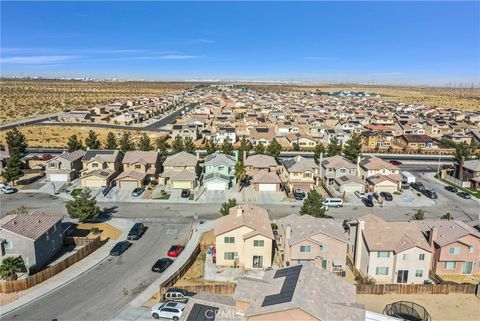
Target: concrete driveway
x=219 y=196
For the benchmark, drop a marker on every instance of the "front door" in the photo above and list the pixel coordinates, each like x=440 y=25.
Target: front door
x=467 y=267
x=402 y=276
x=257 y=262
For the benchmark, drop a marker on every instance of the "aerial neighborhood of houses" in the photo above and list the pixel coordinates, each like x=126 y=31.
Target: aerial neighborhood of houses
x=314 y=189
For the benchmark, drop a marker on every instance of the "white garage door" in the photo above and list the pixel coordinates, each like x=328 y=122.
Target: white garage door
x=267 y=187
x=58 y=177
x=128 y=184
x=385 y=188
x=181 y=184
x=215 y=186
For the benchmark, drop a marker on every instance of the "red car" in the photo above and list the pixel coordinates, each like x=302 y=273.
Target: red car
x=396 y=163
x=175 y=250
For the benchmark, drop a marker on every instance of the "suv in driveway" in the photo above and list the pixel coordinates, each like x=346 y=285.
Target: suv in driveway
x=299 y=194
x=418 y=186
x=168 y=310
x=136 y=231
x=177 y=294
x=185 y=193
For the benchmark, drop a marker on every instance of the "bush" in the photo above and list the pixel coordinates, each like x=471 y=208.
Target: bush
x=154 y=182
x=419 y=194
x=95 y=230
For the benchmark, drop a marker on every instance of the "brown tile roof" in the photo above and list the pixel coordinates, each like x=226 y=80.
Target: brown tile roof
x=73 y=156
x=141 y=157
x=261 y=161
x=31 y=225
x=373 y=162
x=133 y=174
x=181 y=159
x=446 y=231
x=337 y=161
x=266 y=177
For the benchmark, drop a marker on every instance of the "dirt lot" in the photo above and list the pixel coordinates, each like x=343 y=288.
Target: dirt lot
x=455 y=307
x=472 y=279
x=106 y=231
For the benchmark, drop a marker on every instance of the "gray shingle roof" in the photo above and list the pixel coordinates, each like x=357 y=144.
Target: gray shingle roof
x=219 y=159
x=31 y=225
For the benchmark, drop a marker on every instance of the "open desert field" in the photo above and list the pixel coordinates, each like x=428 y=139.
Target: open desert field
x=32 y=98
x=460 y=98
x=57 y=136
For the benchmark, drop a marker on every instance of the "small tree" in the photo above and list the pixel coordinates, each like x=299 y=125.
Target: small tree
x=319 y=150
x=274 y=149
x=10 y=266
x=83 y=206
x=227 y=147
x=313 y=205
x=296 y=147
x=462 y=153
x=447 y=216
x=14 y=168
x=239 y=172
x=144 y=143
x=334 y=148
x=189 y=146
x=177 y=144
x=74 y=143
x=419 y=215
x=162 y=147
x=353 y=148
x=111 y=142
x=126 y=143
x=259 y=149
x=92 y=141
x=211 y=146
x=225 y=209
x=245 y=146
x=16 y=142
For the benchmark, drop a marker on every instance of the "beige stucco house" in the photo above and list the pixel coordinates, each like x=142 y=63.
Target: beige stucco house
x=300 y=173
x=100 y=167
x=139 y=167
x=180 y=171
x=244 y=238
x=381 y=176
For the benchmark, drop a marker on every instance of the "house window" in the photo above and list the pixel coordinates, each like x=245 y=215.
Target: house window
x=9 y=245
x=258 y=243
x=220 y=168
x=381 y=271
x=94 y=165
x=383 y=254
x=308 y=175
x=405 y=256
x=229 y=239
x=419 y=273
x=228 y=256
x=450 y=265
x=421 y=257
x=454 y=250
x=52 y=165
x=324 y=247
x=343 y=171
x=305 y=249
x=138 y=166
x=471 y=249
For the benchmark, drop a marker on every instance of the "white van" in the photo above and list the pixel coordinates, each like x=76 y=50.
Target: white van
x=333 y=202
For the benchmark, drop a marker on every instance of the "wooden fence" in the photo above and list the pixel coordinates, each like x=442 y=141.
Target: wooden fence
x=445 y=288
x=90 y=245
x=223 y=289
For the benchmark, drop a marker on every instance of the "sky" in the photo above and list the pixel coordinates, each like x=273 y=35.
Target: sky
x=408 y=43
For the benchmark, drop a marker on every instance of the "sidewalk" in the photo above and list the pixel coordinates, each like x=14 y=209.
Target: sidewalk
x=134 y=310
x=71 y=273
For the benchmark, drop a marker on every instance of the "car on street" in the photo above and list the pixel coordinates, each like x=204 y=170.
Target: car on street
x=175 y=250
x=451 y=189
x=162 y=264
x=136 y=231
x=387 y=196
x=168 y=310
x=360 y=195
x=7 y=189
x=119 y=248
x=395 y=162
x=418 y=186
x=177 y=294
x=185 y=193
x=368 y=202
x=138 y=191
x=464 y=195
x=376 y=196
x=333 y=202
x=298 y=194
x=430 y=194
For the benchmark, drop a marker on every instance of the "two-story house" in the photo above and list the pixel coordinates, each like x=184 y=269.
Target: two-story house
x=180 y=171
x=380 y=176
x=305 y=238
x=100 y=167
x=470 y=172
x=456 y=246
x=300 y=173
x=36 y=237
x=244 y=238
x=225 y=133
x=219 y=172
x=415 y=141
x=339 y=172
x=263 y=171
x=64 y=167
x=185 y=131
x=139 y=167
x=390 y=252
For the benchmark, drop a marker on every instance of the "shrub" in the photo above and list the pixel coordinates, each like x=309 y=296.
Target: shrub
x=95 y=230
x=154 y=182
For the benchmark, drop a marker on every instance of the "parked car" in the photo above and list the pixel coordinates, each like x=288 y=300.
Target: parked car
x=368 y=202
x=335 y=202
x=451 y=189
x=418 y=186
x=162 y=264
x=395 y=162
x=376 y=196
x=387 y=196
x=464 y=195
x=168 y=310
x=185 y=193
x=298 y=194
x=430 y=194
x=175 y=250
x=138 y=191
x=405 y=185
x=119 y=248
x=136 y=231
x=7 y=189
x=360 y=194
x=177 y=294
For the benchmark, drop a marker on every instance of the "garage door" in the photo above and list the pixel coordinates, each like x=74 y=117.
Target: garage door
x=389 y=189
x=181 y=185
x=58 y=177
x=353 y=188
x=93 y=182
x=215 y=186
x=128 y=184
x=267 y=187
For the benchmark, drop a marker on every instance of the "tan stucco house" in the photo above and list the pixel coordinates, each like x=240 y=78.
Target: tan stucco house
x=139 y=167
x=301 y=173
x=100 y=167
x=180 y=171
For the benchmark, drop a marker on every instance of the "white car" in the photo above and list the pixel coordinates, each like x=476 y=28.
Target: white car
x=7 y=189
x=360 y=195
x=168 y=310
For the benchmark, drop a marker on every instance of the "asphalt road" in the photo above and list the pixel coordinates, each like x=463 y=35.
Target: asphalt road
x=101 y=292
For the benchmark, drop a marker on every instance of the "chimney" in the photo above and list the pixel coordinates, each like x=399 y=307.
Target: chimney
x=432 y=235
x=239 y=211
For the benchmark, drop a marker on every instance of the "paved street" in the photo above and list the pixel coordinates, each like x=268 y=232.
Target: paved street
x=101 y=292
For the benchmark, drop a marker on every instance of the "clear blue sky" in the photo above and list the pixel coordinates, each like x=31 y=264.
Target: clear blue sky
x=384 y=42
